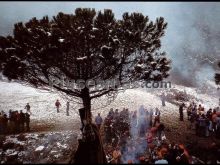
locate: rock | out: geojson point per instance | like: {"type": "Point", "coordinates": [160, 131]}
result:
{"type": "Point", "coordinates": [168, 130]}
{"type": "Point", "coordinates": [19, 147]}
{"type": "Point", "coordinates": [12, 157]}
{"type": "Point", "coordinates": [48, 149]}
{"type": "Point", "coordinates": [54, 153]}
{"type": "Point", "coordinates": [21, 154]}
{"type": "Point", "coordinates": [8, 145]}
{"type": "Point", "coordinates": [52, 138]}
{"type": "Point", "coordinates": [2, 139]}
{"type": "Point", "coordinates": [41, 135]}
{"type": "Point", "coordinates": [21, 137]}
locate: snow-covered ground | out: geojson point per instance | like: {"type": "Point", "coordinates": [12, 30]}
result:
{"type": "Point", "coordinates": [15, 96]}
{"type": "Point", "coordinates": [48, 147]}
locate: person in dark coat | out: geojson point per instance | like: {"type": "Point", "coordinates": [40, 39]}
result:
{"type": "Point", "coordinates": [67, 108]}
{"type": "Point", "coordinates": [181, 111]}
{"type": "Point", "coordinates": [5, 124]}
{"type": "Point", "coordinates": [22, 120]}
{"type": "Point", "coordinates": [182, 158]}
{"type": "Point", "coordinates": [90, 151]}
{"type": "Point", "coordinates": [17, 122]}
{"type": "Point", "coordinates": [27, 121]}
{"type": "Point", "coordinates": [28, 108]}
{"type": "Point", "coordinates": [163, 98]}
{"type": "Point", "coordinates": [12, 121]}
{"type": "Point", "coordinates": [160, 129]}
{"type": "Point", "coordinates": [1, 123]}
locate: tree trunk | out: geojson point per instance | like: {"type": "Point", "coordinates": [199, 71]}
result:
{"type": "Point", "coordinates": [86, 102]}
{"type": "Point", "coordinates": [89, 151]}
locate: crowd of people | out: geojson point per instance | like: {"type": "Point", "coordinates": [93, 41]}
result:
{"type": "Point", "coordinates": [138, 137]}
{"type": "Point", "coordinates": [15, 122]}
{"type": "Point", "coordinates": [205, 123]}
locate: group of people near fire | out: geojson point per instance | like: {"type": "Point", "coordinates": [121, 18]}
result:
{"type": "Point", "coordinates": [15, 121]}
{"type": "Point", "coordinates": [138, 136]}
{"type": "Point", "coordinates": [205, 122]}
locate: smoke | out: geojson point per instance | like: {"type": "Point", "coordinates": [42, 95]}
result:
{"type": "Point", "coordinates": [192, 39]}
{"type": "Point", "coordinates": [195, 49]}
{"type": "Point", "coordinates": [136, 145]}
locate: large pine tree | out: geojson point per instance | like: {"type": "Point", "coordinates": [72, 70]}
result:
{"type": "Point", "coordinates": [86, 45]}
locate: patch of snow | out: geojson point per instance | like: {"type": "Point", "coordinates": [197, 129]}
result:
{"type": "Point", "coordinates": [8, 49]}
{"type": "Point", "coordinates": [13, 154]}
{"type": "Point", "coordinates": [49, 34]}
{"type": "Point", "coordinates": [129, 31]}
{"type": "Point", "coordinates": [115, 40]}
{"type": "Point", "coordinates": [61, 40]}
{"type": "Point", "coordinates": [156, 73]}
{"type": "Point", "coordinates": [40, 148]}
{"type": "Point", "coordinates": [95, 29]}
{"type": "Point", "coordinates": [81, 58]}
{"type": "Point", "coordinates": [9, 151]}
{"type": "Point", "coordinates": [62, 146]}
{"type": "Point", "coordinates": [101, 56]}
{"type": "Point", "coordinates": [140, 65]}
{"type": "Point", "coordinates": [105, 47]}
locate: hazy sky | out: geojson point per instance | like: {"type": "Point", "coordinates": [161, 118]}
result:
{"type": "Point", "coordinates": [181, 18]}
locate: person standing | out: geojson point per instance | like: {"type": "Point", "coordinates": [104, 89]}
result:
{"type": "Point", "coordinates": [181, 111]}
{"type": "Point", "coordinates": [57, 104]}
{"type": "Point", "coordinates": [116, 156]}
{"type": "Point", "coordinates": [28, 108]}
{"type": "Point", "coordinates": [67, 108]}
{"type": "Point", "coordinates": [189, 111]}
{"type": "Point", "coordinates": [151, 117]}
{"type": "Point", "coordinates": [12, 121]}
{"type": "Point", "coordinates": [5, 124]}
{"type": "Point", "coordinates": [1, 123]}
{"type": "Point", "coordinates": [163, 99]}
{"type": "Point", "coordinates": [22, 120]}
{"type": "Point", "coordinates": [157, 117]}
{"type": "Point", "coordinates": [17, 122]}
{"type": "Point", "coordinates": [214, 120]}
{"type": "Point", "coordinates": [27, 121]}
{"type": "Point", "coordinates": [98, 121]}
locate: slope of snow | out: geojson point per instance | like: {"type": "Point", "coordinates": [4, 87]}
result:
{"type": "Point", "coordinates": [206, 99]}
{"type": "Point", "coordinates": [40, 148]}
{"type": "Point", "coordinates": [15, 96]}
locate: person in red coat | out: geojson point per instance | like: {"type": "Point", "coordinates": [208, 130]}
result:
{"type": "Point", "coordinates": [57, 104]}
